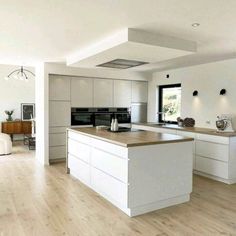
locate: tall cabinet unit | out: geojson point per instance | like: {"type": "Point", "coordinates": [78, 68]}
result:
{"type": "Point", "coordinates": [66, 92]}
{"type": "Point", "coordinates": [59, 115]}
{"type": "Point", "coordinates": [139, 91]}
{"type": "Point", "coordinates": [103, 93]}
{"type": "Point", "coordinates": [81, 92]}
{"type": "Point", "coordinates": [122, 93]}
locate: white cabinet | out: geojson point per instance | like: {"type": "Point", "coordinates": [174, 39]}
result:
{"type": "Point", "coordinates": [59, 88]}
{"type": "Point", "coordinates": [122, 93]}
{"type": "Point", "coordinates": [58, 139]}
{"type": "Point", "coordinates": [81, 92]}
{"type": "Point", "coordinates": [57, 143]}
{"type": "Point", "coordinates": [212, 167]}
{"type": "Point", "coordinates": [215, 151]}
{"type": "Point", "coordinates": [139, 91]}
{"type": "Point", "coordinates": [103, 93]}
{"type": "Point", "coordinates": [58, 152]}
{"type": "Point", "coordinates": [59, 113]}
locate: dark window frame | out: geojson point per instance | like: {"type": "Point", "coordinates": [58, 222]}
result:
{"type": "Point", "coordinates": [160, 97]}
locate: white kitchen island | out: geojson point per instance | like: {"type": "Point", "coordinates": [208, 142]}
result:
{"type": "Point", "coordinates": [138, 171]}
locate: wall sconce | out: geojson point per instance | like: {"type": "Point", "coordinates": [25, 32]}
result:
{"type": "Point", "coordinates": [195, 93]}
{"type": "Point", "coordinates": [222, 91]}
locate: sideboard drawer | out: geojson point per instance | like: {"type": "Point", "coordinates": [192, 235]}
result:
{"type": "Point", "coordinates": [212, 138]}
{"type": "Point", "coordinates": [80, 150]}
{"type": "Point", "coordinates": [213, 150]}
{"type": "Point", "coordinates": [110, 164]}
{"type": "Point", "coordinates": [212, 167]}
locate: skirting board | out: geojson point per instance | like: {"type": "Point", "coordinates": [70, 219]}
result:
{"type": "Point", "coordinates": [58, 160]}
{"type": "Point", "coordinates": [226, 181]}
{"type": "Point", "coordinates": [158, 205]}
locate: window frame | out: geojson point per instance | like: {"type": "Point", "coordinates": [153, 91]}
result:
{"type": "Point", "coordinates": [160, 99]}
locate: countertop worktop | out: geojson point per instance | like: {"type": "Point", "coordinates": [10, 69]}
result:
{"type": "Point", "coordinates": [131, 139]}
{"type": "Point", "coordinates": [190, 129]}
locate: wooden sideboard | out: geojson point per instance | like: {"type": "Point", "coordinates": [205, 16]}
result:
{"type": "Point", "coordinates": [16, 127]}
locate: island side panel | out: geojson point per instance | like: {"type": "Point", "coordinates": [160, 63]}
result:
{"type": "Point", "coordinates": [158, 173]}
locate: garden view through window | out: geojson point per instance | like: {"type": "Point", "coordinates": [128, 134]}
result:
{"type": "Point", "coordinates": [170, 102]}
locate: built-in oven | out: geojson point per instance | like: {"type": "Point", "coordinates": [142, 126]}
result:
{"type": "Point", "coordinates": [123, 115]}
{"type": "Point", "coordinates": [99, 116]}
{"type": "Point", "coordinates": [103, 116]}
{"type": "Point", "coordinates": [82, 116]}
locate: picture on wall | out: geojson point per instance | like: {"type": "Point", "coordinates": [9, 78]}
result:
{"type": "Point", "coordinates": [27, 111]}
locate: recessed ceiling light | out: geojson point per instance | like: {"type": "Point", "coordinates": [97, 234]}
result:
{"type": "Point", "coordinates": [195, 24]}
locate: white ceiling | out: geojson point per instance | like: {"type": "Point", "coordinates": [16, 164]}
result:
{"type": "Point", "coordinates": [131, 44]}
{"type": "Point", "coordinates": [53, 30]}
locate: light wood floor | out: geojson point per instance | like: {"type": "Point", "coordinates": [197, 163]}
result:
{"type": "Point", "coordinates": [37, 200]}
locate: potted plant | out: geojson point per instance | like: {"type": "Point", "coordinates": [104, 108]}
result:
{"type": "Point", "coordinates": [9, 113]}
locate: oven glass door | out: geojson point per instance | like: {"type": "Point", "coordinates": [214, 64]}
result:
{"type": "Point", "coordinates": [81, 119]}
{"type": "Point", "coordinates": [123, 118]}
{"type": "Point", "coordinates": [103, 119]}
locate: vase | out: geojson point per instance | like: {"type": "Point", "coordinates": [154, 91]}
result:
{"type": "Point", "coordinates": [9, 118]}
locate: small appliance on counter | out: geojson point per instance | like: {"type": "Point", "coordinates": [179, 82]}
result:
{"type": "Point", "coordinates": [224, 123]}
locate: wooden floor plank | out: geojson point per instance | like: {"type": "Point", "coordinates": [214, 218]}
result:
{"type": "Point", "coordinates": [38, 200]}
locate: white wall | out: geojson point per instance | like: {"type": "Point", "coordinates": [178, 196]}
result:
{"type": "Point", "coordinates": [14, 92]}
{"type": "Point", "coordinates": [41, 95]}
{"type": "Point", "coordinates": [208, 79]}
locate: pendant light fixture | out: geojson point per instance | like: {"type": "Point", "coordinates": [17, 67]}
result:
{"type": "Point", "coordinates": [20, 74]}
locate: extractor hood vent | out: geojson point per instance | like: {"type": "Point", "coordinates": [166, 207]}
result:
{"type": "Point", "coordinates": [122, 64]}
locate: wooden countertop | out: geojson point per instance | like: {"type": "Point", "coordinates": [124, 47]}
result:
{"type": "Point", "coordinates": [131, 139]}
{"type": "Point", "coordinates": [191, 129]}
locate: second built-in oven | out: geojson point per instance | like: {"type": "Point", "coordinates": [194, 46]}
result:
{"type": "Point", "coordinates": [103, 116]}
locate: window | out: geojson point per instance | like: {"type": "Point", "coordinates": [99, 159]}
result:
{"type": "Point", "coordinates": [170, 102]}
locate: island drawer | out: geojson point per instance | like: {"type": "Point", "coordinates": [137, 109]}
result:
{"type": "Point", "coordinates": [213, 150]}
{"type": "Point", "coordinates": [212, 167]}
{"type": "Point", "coordinates": [110, 164]}
{"type": "Point", "coordinates": [79, 169]}
{"type": "Point", "coordinates": [109, 187]}
{"type": "Point", "coordinates": [80, 150]}
{"type": "Point", "coordinates": [110, 148]}
{"type": "Point", "coordinates": [79, 137]}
